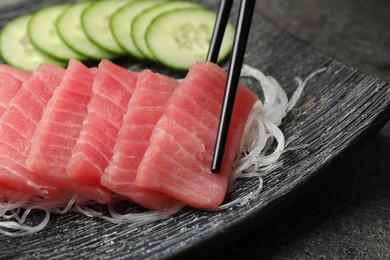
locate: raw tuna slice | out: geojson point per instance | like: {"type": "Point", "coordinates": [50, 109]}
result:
{"type": "Point", "coordinates": [9, 86]}
{"type": "Point", "coordinates": [59, 128]}
{"type": "Point", "coordinates": [112, 90]}
{"type": "Point", "coordinates": [144, 110]}
{"type": "Point", "coordinates": [15, 72]}
{"type": "Point", "coordinates": [178, 159]}
{"type": "Point", "coordinates": [17, 126]}
{"type": "Point", "coordinates": [10, 195]}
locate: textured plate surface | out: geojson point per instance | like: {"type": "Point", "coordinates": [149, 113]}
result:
{"type": "Point", "coordinates": [338, 109]}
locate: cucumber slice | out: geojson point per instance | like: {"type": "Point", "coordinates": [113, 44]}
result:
{"type": "Point", "coordinates": [43, 34]}
{"type": "Point", "coordinates": [141, 22]}
{"type": "Point", "coordinates": [121, 21]}
{"type": "Point", "coordinates": [16, 48]}
{"type": "Point", "coordinates": [95, 21]}
{"type": "Point", "coordinates": [69, 28]}
{"type": "Point", "coordinates": [178, 38]}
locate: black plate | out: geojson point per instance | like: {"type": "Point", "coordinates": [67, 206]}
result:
{"type": "Point", "coordinates": [338, 109]}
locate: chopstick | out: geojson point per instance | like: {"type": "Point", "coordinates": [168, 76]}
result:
{"type": "Point", "coordinates": [225, 6]}
{"type": "Point", "coordinates": [236, 60]}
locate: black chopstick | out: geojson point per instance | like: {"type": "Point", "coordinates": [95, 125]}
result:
{"type": "Point", "coordinates": [225, 7]}
{"type": "Point", "coordinates": [236, 61]}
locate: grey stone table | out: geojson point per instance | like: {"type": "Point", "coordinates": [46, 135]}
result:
{"type": "Point", "coordinates": [348, 216]}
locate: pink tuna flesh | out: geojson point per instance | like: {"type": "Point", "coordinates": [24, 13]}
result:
{"type": "Point", "coordinates": [112, 90]}
{"type": "Point", "coordinates": [17, 126]}
{"type": "Point", "coordinates": [15, 72]}
{"type": "Point", "coordinates": [59, 129]}
{"type": "Point", "coordinates": [178, 159]}
{"type": "Point", "coordinates": [145, 109]}
{"type": "Point", "coordinates": [9, 86]}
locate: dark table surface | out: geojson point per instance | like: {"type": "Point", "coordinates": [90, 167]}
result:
{"type": "Point", "coordinates": [348, 216]}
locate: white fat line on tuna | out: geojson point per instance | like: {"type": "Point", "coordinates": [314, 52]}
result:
{"type": "Point", "coordinates": [32, 184]}
{"type": "Point", "coordinates": [257, 157]}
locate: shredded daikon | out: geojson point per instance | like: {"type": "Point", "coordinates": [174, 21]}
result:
{"type": "Point", "coordinates": [262, 145]}
{"type": "Point", "coordinates": [263, 142]}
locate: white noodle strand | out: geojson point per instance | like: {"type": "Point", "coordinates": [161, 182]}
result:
{"type": "Point", "coordinates": [258, 153]}
{"type": "Point", "coordinates": [23, 230]}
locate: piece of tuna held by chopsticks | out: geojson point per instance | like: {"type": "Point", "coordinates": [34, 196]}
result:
{"type": "Point", "coordinates": [177, 161]}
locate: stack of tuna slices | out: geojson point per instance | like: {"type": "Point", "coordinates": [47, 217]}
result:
{"type": "Point", "coordinates": [107, 130]}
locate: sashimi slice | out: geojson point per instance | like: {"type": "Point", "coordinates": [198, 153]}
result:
{"type": "Point", "coordinates": [9, 86]}
{"type": "Point", "coordinates": [17, 73]}
{"type": "Point", "coordinates": [178, 159]}
{"type": "Point", "coordinates": [17, 126]}
{"type": "Point", "coordinates": [145, 109]}
{"type": "Point", "coordinates": [112, 90]}
{"type": "Point", "coordinates": [8, 194]}
{"type": "Point", "coordinates": [59, 129]}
